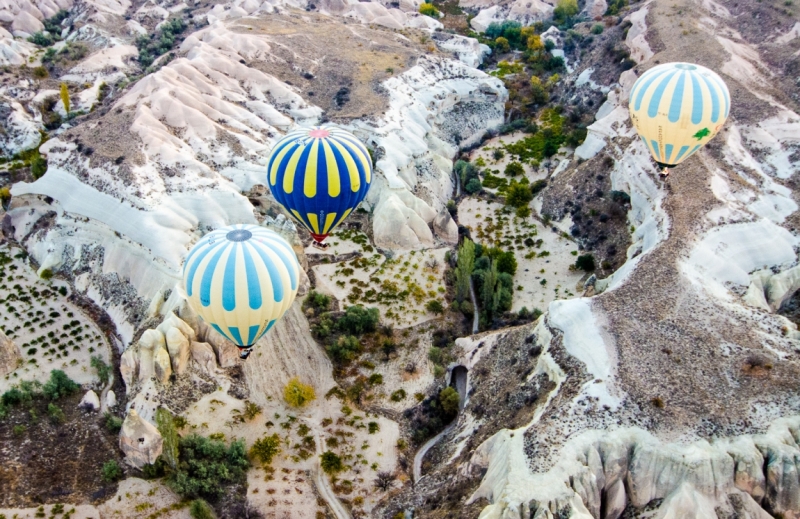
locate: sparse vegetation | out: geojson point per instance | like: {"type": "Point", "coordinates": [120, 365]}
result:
{"type": "Point", "coordinates": [428, 9]}
{"type": "Point", "coordinates": [103, 369]}
{"type": "Point", "coordinates": [298, 394]}
{"type": "Point", "coordinates": [266, 448]}
{"type": "Point", "coordinates": [199, 509]}
{"type": "Point", "coordinates": [111, 471]}
{"type": "Point", "coordinates": [331, 463]}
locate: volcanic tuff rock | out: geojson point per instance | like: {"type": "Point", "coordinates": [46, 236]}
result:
{"type": "Point", "coordinates": [9, 355]}
{"type": "Point", "coordinates": [139, 440]}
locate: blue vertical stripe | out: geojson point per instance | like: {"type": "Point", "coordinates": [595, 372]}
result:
{"type": "Point", "coordinates": [712, 90]}
{"type": "Point", "coordinates": [668, 152]}
{"type": "Point", "coordinates": [219, 330]}
{"type": "Point", "coordinates": [253, 286]}
{"type": "Point", "coordinates": [204, 250]}
{"type": "Point", "coordinates": [251, 334]}
{"type": "Point", "coordinates": [229, 280]}
{"type": "Point", "coordinates": [697, 101]}
{"type": "Point", "coordinates": [208, 276]}
{"type": "Point", "coordinates": [677, 99]}
{"type": "Point", "coordinates": [658, 93]}
{"type": "Point", "coordinates": [655, 149]}
{"type": "Point", "coordinates": [274, 275]}
{"type": "Point", "coordinates": [288, 260]}
{"type": "Point", "coordinates": [237, 337]}
{"type": "Point", "coordinates": [645, 85]}
{"type": "Point", "coordinates": [681, 152]}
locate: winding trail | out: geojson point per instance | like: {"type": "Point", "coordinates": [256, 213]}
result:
{"type": "Point", "coordinates": [426, 447]}
{"type": "Point", "coordinates": [322, 483]}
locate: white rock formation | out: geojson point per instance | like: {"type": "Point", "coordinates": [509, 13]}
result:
{"type": "Point", "coordinates": [90, 401]}
{"type": "Point", "coordinates": [150, 342]}
{"type": "Point", "coordinates": [178, 348]}
{"type": "Point", "coordinates": [524, 11]}
{"type": "Point", "coordinates": [10, 356]}
{"type": "Point", "coordinates": [111, 399]}
{"type": "Point", "coordinates": [129, 367]}
{"type": "Point", "coordinates": [203, 357]}
{"type": "Point", "coordinates": [14, 52]}
{"type": "Point", "coordinates": [162, 366]}
{"type": "Point", "coordinates": [20, 129]}
{"type": "Point", "coordinates": [445, 227]}
{"type": "Point", "coordinates": [139, 440]}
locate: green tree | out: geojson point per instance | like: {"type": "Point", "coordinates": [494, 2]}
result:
{"type": "Point", "coordinates": [518, 195]}
{"type": "Point", "coordinates": [111, 471]}
{"type": "Point", "coordinates": [103, 369]}
{"type": "Point", "coordinates": [585, 262]}
{"type": "Point", "coordinates": [565, 10]}
{"type": "Point", "coordinates": [507, 262]}
{"type": "Point", "coordinates": [56, 414]}
{"type": "Point", "coordinates": [473, 186]}
{"type": "Point", "coordinates": [38, 166]}
{"type": "Point", "coordinates": [488, 301]}
{"type": "Point", "coordinates": [434, 306]}
{"type": "Point", "coordinates": [59, 385]}
{"type": "Point", "coordinates": [464, 267]}
{"type": "Point", "coordinates": [5, 195]}
{"type": "Point", "coordinates": [513, 169]}
{"type": "Point", "coordinates": [65, 97]}
{"type": "Point", "coordinates": [207, 465]}
{"type": "Point", "coordinates": [539, 94]}
{"type": "Point", "coordinates": [266, 448]}
{"type": "Point", "coordinates": [358, 320]}
{"type": "Point", "coordinates": [298, 394]}
{"type": "Point", "coordinates": [331, 463]}
{"type": "Point", "coordinates": [199, 509]}
{"type": "Point", "coordinates": [449, 399]}
{"type": "Point", "coordinates": [344, 349]}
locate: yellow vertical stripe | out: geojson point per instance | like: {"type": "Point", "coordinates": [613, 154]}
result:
{"type": "Point", "coordinates": [299, 218]}
{"type": "Point", "coordinates": [273, 174]}
{"type": "Point", "coordinates": [334, 185]}
{"type": "Point", "coordinates": [364, 159]}
{"type": "Point", "coordinates": [291, 169]}
{"type": "Point", "coordinates": [312, 219]}
{"type": "Point", "coordinates": [310, 179]}
{"type": "Point", "coordinates": [329, 219]}
{"type": "Point", "coordinates": [352, 169]}
{"type": "Point", "coordinates": [345, 215]}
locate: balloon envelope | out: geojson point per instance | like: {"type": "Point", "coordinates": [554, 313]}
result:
{"type": "Point", "coordinates": [676, 108]}
{"type": "Point", "coordinates": [319, 175]}
{"type": "Point", "coordinates": [240, 280]}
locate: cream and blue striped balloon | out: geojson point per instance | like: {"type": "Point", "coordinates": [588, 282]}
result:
{"type": "Point", "coordinates": [319, 175]}
{"type": "Point", "coordinates": [677, 108]}
{"type": "Point", "coordinates": [241, 279]}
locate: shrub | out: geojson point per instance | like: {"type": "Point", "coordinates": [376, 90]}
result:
{"type": "Point", "coordinates": [56, 414]}
{"type": "Point", "coordinates": [12, 397]}
{"type": "Point", "coordinates": [206, 465]}
{"type": "Point", "coordinates": [449, 400]}
{"type": "Point", "coordinates": [585, 262]}
{"type": "Point", "coordinates": [199, 509]}
{"type": "Point", "coordinates": [331, 463]}
{"type": "Point", "coordinates": [19, 430]}
{"type": "Point", "coordinates": [298, 394]}
{"type": "Point", "coordinates": [103, 369]}
{"type": "Point", "coordinates": [373, 427]}
{"type": "Point", "coordinates": [40, 72]}
{"type": "Point", "coordinates": [41, 39]}
{"type": "Point", "coordinates": [434, 306]}
{"type": "Point", "coordinates": [507, 262]}
{"type": "Point", "coordinates": [564, 12]}
{"type": "Point", "coordinates": [39, 165]}
{"type": "Point", "coordinates": [614, 7]}
{"type": "Point", "coordinates": [59, 385]}
{"type": "Point", "coordinates": [358, 320]}
{"type": "Point", "coordinates": [501, 44]}
{"type": "Point", "coordinates": [429, 10]}
{"type": "Point", "coordinates": [375, 379]}
{"type": "Point", "coordinates": [113, 423]}
{"type": "Point", "coordinates": [251, 410]}
{"type": "Point", "coordinates": [518, 195]}
{"type": "Point", "coordinates": [398, 396]}
{"type": "Point", "coordinates": [597, 28]}
{"type": "Point", "coordinates": [266, 448]}
{"type": "Point", "coordinates": [620, 197]}
{"type": "Point", "coordinates": [166, 426]}
{"type": "Point", "coordinates": [344, 349]}
{"type": "Point", "coordinates": [5, 195]}
{"type": "Point", "coordinates": [435, 355]}
{"type": "Point", "coordinates": [318, 301]}
{"type": "Point", "coordinates": [111, 471]}
{"type": "Point", "coordinates": [513, 169]}
{"type": "Point", "coordinates": [473, 186]}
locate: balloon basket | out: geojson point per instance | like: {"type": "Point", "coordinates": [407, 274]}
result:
{"type": "Point", "coordinates": [320, 246]}
{"type": "Point", "coordinates": [245, 352]}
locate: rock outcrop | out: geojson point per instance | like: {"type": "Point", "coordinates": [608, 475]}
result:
{"type": "Point", "coordinates": [203, 357]}
{"type": "Point", "coordinates": [162, 366]}
{"type": "Point", "coordinates": [10, 356]}
{"type": "Point", "coordinates": [139, 440]}
{"type": "Point", "coordinates": [90, 401]}
{"type": "Point", "coordinates": [178, 348]}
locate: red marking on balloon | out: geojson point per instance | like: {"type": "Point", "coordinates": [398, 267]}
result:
{"type": "Point", "coordinates": [319, 133]}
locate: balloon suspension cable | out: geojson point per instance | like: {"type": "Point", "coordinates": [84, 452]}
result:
{"type": "Point", "coordinates": [245, 351]}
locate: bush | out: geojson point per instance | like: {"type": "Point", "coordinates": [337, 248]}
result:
{"type": "Point", "coordinates": [41, 39]}
{"type": "Point", "coordinates": [398, 396]}
{"type": "Point", "coordinates": [298, 394]}
{"type": "Point", "coordinates": [620, 197]}
{"type": "Point", "coordinates": [358, 320]}
{"type": "Point", "coordinates": [614, 7]}
{"type": "Point", "coordinates": [585, 262]}
{"type": "Point", "coordinates": [113, 423]}
{"type": "Point", "coordinates": [103, 369]}
{"type": "Point", "coordinates": [166, 426]}
{"type": "Point", "coordinates": [5, 195]}
{"type": "Point", "coordinates": [435, 355]}
{"type": "Point", "coordinates": [434, 306]}
{"type": "Point", "coordinates": [513, 169]}
{"type": "Point", "coordinates": [449, 400]}
{"type": "Point", "coordinates": [59, 385]}
{"type": "Point", "coordinates": [330, 462]}
{"type": "Point", "coordinates": [251, 410]}
{"type": "Point", "coordinates": [518, 195]}
{"type": "Point", "coordinates": [501, 44]}
{"type": "Point", "coordinates": [564, 12]}
{"type": "Point", "coordinates": [56, 414]}
{"type": "Point", "coordinates": [266, 448]}
{"type": "Point", "coordinates": [40, 73]}
{"type": "Point", "coordinates": [507, 262]}
{"type": "Point", "coordinates": [597, 28]}
{"type": "Point", "coordinates": [39, 165]}
{"type": "Point", "coordinates": [538, 186]}
{"type": "Point", "coordinates": [318, 301]}
{"type": "Point", "coordinates": [429, 10]}
{"type": "Point", "coordinates": [199, 509]}
{"type": "Point", "coordinates": [473, 186]}
{"type": "Point", "coordinates": [206, 465]}
{"type": "Point", "coordinates": [373, 427]}
{"type": "Point", "coordinates": [111, 471]}
{"type": "Point", "coordinates": [344, 349]}
{"type": "Point", "coordinates": [12, 397]}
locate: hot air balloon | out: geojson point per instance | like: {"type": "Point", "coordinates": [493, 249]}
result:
{"type": "Point", "coordinates": [240, 280]}
{"type": "Point", "coordinates": [319, 175]}
{"type": "Point", "coordinates": [676, 108]}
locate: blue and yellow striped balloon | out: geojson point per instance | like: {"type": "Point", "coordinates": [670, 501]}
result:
{"type": "Point", "coordinates": [240, 280]}
{"type": "Point", "coordinates": [676, 108]}
{"type": "Point", "coordinates": [319, 175]}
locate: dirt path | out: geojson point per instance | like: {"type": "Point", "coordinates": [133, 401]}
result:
{"type": "Point", "coordinates": [426, 447]}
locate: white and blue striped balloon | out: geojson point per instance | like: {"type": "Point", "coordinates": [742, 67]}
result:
{"type": "Point", "coordinates": [241, 279]}
{"type": "Point", "coordinates": [677, 108]}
